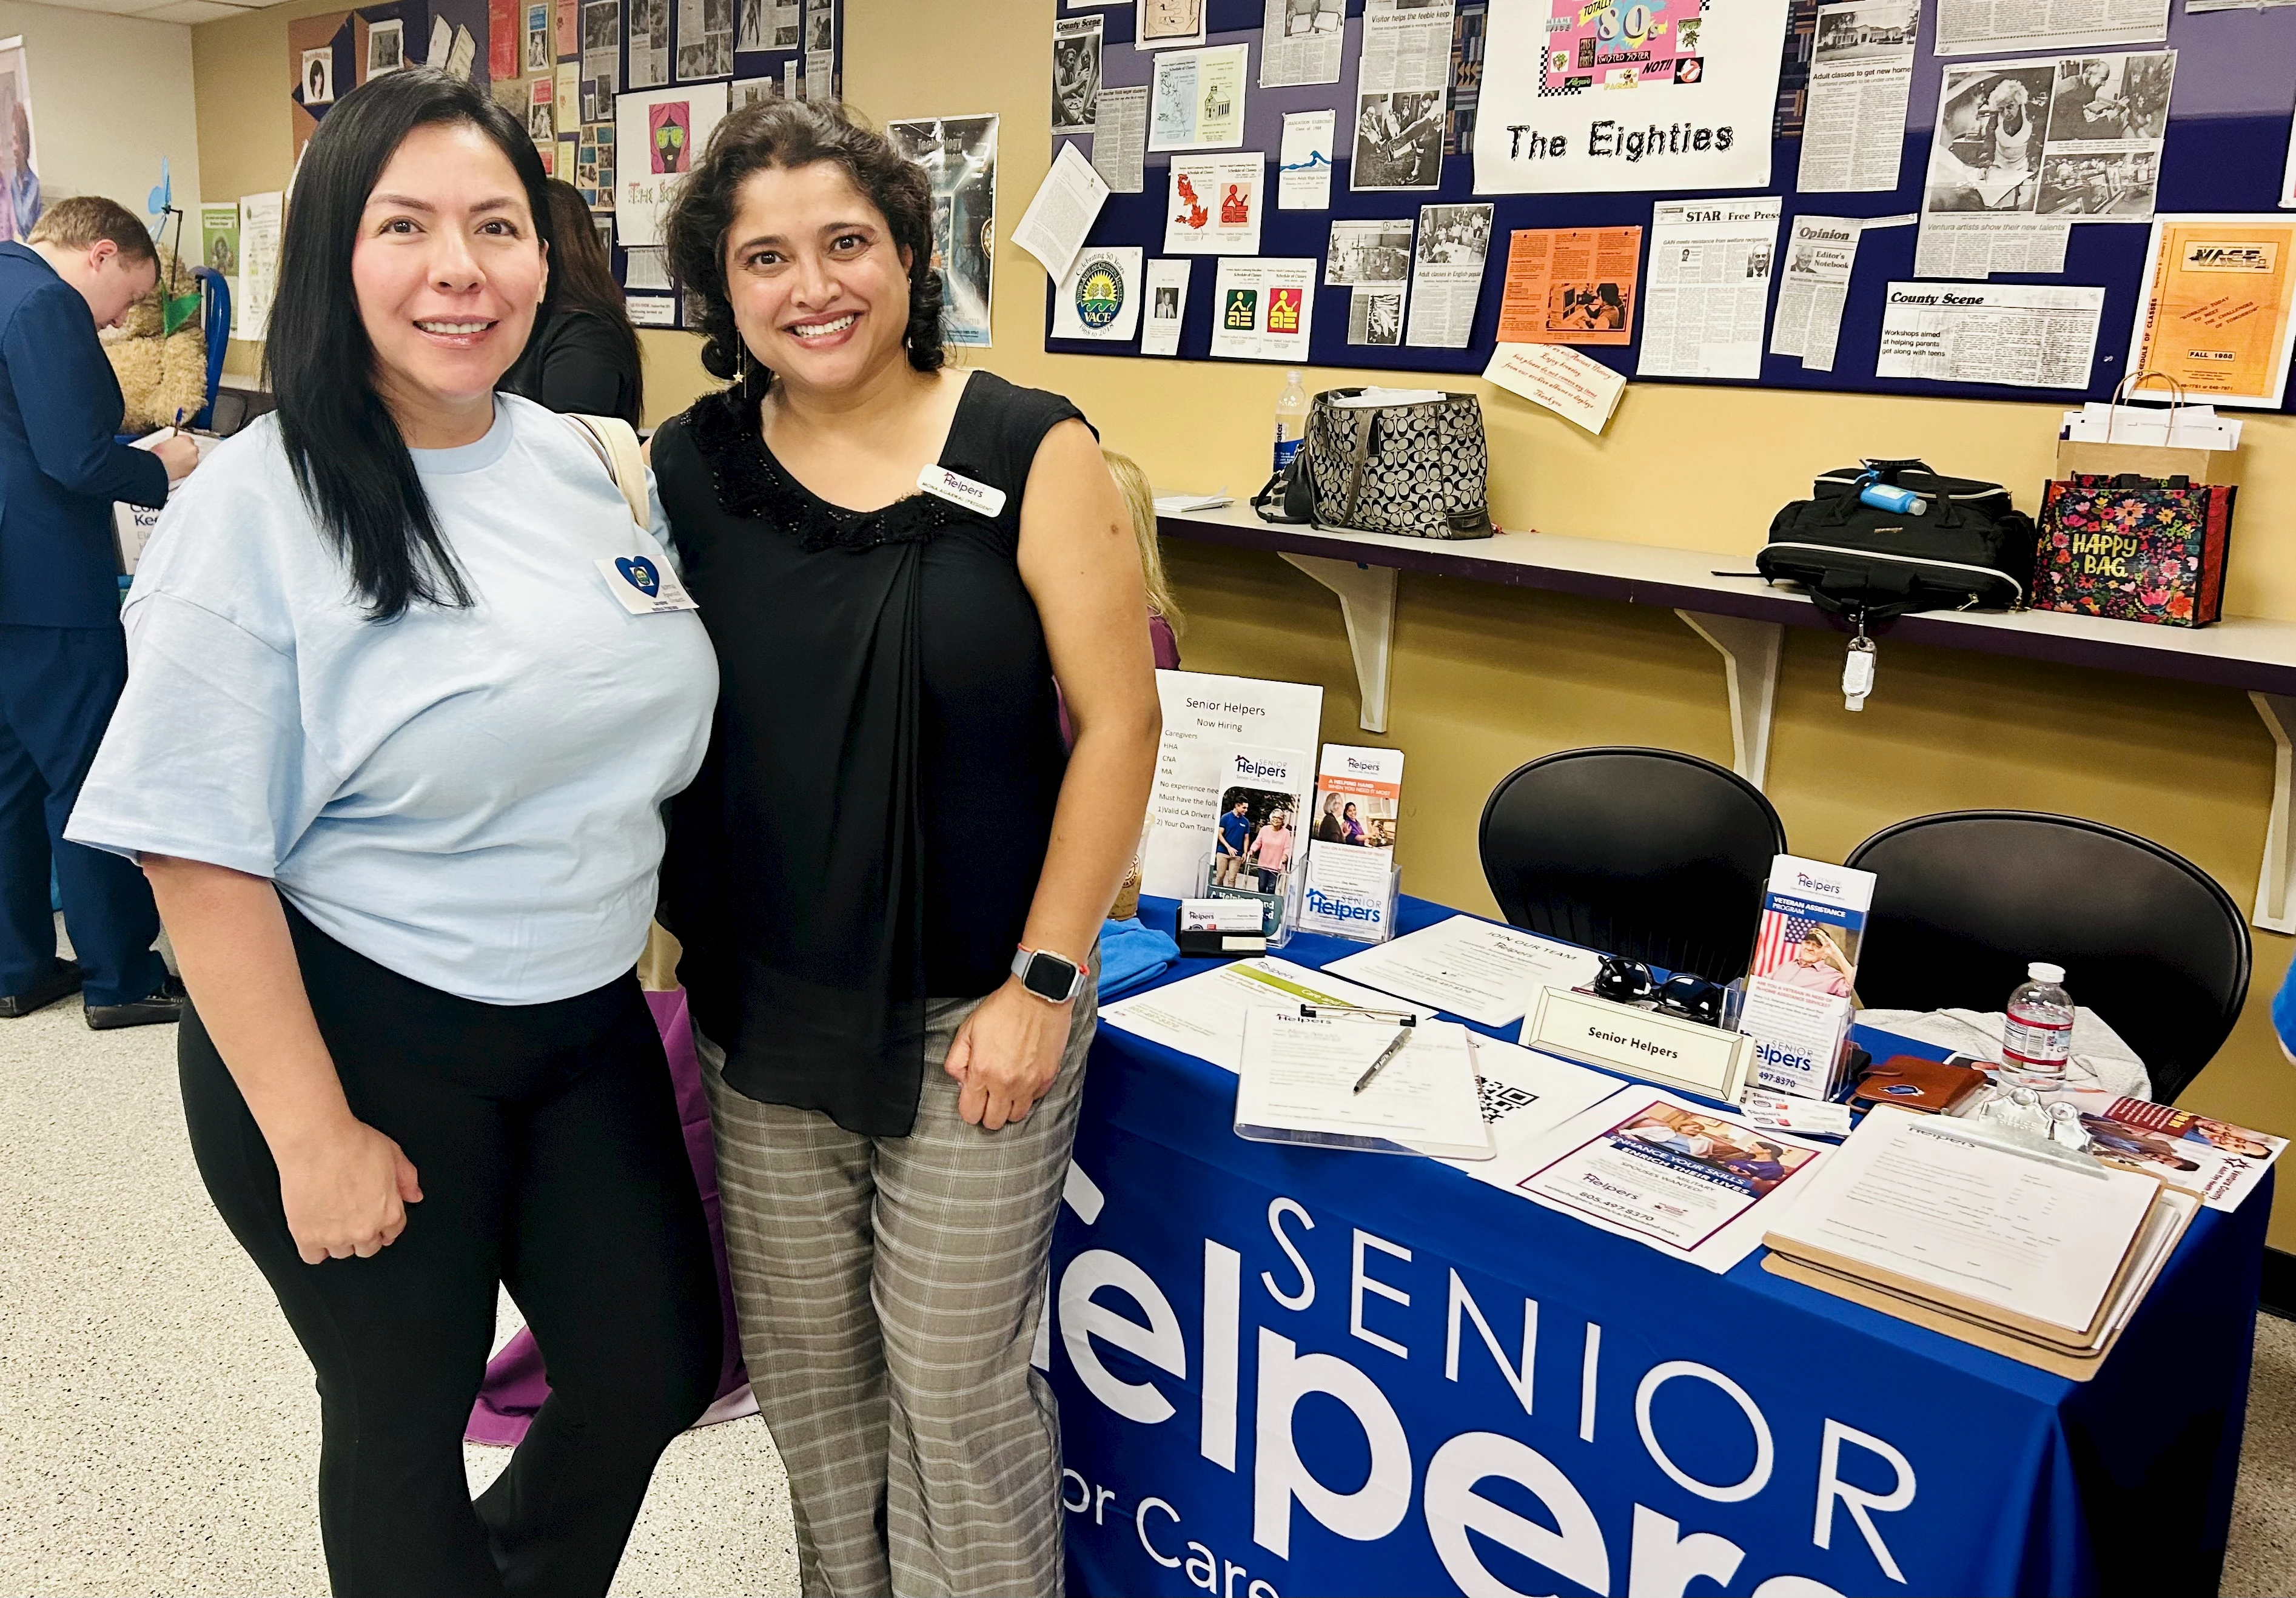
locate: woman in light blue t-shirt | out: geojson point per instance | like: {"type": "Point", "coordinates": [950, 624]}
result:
{"type": "Point", "coordinates": [404, 702]}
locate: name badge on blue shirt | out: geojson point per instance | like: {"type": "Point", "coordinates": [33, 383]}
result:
{"type": "Point", "coordinates": [644, 585]}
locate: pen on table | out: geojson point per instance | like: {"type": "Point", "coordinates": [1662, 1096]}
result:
{"type": "Point", "coordinates": [1394, 1047]}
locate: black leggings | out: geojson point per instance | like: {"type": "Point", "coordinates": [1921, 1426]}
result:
{"type": "Point", "coordinates": [548, 1142]}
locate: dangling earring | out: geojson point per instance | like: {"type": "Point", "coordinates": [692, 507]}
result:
{"type": "Point", "coordinates": [743, 370]}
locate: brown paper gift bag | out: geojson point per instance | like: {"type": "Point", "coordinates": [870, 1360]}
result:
{"type": "Point", "coordinates": [2088, 457]}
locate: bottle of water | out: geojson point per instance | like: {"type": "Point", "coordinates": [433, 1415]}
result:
{"type": "Point", "coordinates": [2040, 1037]}
{"type": "Point", "coordinates": [1291, 420]}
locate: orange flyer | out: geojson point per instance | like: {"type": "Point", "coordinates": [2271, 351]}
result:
{"type": "Point", "coordinates": [2216, 315]}
{"type": "Point", "coordinates": [1571, 286]}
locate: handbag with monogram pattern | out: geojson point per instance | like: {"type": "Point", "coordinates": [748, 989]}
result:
{"type": "Point", "coordinates": [1416, 467]}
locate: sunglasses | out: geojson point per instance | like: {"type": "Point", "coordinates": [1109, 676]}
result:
{"type": "Point", "coordinates": [1684, 994]}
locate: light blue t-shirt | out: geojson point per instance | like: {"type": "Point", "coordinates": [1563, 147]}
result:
{"type": "Point", "coordinates": [470, 798]}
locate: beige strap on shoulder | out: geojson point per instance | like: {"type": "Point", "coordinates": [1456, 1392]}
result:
{"type": "Point", "coordinates": [616, 445]}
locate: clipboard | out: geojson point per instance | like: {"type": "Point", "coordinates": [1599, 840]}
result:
{"type": "Point", "coordinates": [2156, 1240]}
{"type": "Point", "coordinates": [1332, 1134]}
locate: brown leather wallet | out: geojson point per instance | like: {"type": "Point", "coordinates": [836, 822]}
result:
{"type": "Point", "coordinates": [1926, 1086]}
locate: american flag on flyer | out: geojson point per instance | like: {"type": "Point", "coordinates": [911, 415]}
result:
{"type": "Point", "coordinates": [1781, 930]}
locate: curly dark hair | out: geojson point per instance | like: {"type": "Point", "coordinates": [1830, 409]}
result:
{"type": "Point", "coordinates": [790, 134]}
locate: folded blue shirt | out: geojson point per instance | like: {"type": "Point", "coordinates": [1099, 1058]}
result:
{"type": "Point", "coordinates": [1132, 956]}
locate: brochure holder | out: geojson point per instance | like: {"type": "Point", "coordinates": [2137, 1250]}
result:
{"type": "Point", "coordinates": [1377, 928]}
{"type": "Point", "coordinates": [1279, 908]}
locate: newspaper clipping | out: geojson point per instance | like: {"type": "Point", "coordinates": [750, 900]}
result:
{"type": "Point", "coordinates": [1076, 73]}
{"type": "Point", "coordinates": [1399, 94]}
{"type": "Point", "coordinates": [1375, 316]}
{"type": "Point", "coordinates": [1821, 253]}
{"type": "Point", "coordinates": [602, 58]}
{"type": "Point", "coordinates": [1369, 252]}
{"type": "Point", "coordinates": [1990, 26]}
{"type": "Point", "coordinates": [1570, 286]}
{"type": "Point", "coordinates": [1299, 42]}
{"type": "Point", "coordinates": [820, 50]}
{"type": "Point", "coordinates": [1119, 142]}
{"type": "Point", "coordinates": [2025, 335]}
{"type": "Point", "coordinates": [649, 44]}
{"type": "Point", "coordinates": [1710, 287]}
{"type": "Point", "coordinates": [2042, 141]}
{"type": "Point", "coordinates": [1447, 278]}
{"type": "Point", "coordinates": [769, 25]}
{"type": "Point", "coordinates": [705, 39]}
{"type": "Point", "coordinates": [1854, 130]}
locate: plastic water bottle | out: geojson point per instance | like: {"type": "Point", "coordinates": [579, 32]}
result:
{"type": "Point", "coordinates": [1291, 420]}
{"type": "Point", "coordinates": [2040, 1037]}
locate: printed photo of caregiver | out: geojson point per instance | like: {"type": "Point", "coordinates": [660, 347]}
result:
{"type": "Point", "coordinates": [889, 877]}
{"type": "Point", "coordinates": [392, 756]}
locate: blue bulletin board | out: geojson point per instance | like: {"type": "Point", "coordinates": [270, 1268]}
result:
{"type": "Point", "coordinates": [2225, 144]}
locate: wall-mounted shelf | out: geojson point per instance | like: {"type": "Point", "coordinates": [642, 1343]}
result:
{"type": "Point", "coordinates": [1745, 619]}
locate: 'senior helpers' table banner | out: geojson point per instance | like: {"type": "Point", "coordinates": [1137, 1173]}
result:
{"type": "Point", "coordinates": [1298, 1371]}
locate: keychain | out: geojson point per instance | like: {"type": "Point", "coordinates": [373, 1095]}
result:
{"type": "Point", "coordinates": [1857, 670]}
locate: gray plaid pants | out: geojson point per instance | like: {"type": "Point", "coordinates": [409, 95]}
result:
{"type": "Point", "coordinates": [889, 1290]}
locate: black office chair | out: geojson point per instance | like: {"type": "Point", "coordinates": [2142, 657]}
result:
{"type": "Point", "coordinates": [1644, 852]}
{"type": "Point", "coordinates": [2148, 940]}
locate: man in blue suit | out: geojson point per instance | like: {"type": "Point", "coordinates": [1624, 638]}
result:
{"type": "Point", "coordinates": [63, 658]}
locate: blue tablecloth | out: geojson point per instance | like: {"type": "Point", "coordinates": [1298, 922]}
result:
{"type": "Point", "coordinates": [1295, 1371]}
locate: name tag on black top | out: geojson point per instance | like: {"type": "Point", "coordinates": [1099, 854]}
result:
{"type": "Point", "coordinates": [942, 483]}
{"type": "Point", "coordinates": [644, 585]}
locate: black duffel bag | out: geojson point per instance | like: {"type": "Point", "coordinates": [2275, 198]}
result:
{"type": "Point", "coordinates": [1969, 548]}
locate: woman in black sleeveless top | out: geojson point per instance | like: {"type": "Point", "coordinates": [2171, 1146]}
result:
{"type": "Point", "coordinates": [889, 876]}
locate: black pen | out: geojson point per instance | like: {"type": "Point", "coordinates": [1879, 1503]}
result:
{"type": "Point", "coordinates": [1394, 1047]}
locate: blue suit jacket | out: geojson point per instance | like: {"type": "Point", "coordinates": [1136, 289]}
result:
{"type": "Point", "coordinates": [61, 467]}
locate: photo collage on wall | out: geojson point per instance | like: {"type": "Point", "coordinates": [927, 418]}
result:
{"type": "Point", "coordinates": [620, 97]}
{"type": "Point", "coordinates": [1561, 195]}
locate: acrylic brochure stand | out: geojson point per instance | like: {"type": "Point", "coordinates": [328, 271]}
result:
{"type": "Point", "coordinates": [1344, 922]}
{"type": "Point", "coordinates": [1280, 910]}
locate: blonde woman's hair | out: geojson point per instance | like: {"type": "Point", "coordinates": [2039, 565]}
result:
{"type": "Point", "coordinates": [1139, 500]}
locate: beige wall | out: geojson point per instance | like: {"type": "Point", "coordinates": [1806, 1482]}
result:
{"type": "Point", "coordinates": [110, 96]}
{"type": "Point", "coordinates": [1484, 678]}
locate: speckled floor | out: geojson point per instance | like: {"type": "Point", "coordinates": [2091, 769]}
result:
{"type": "Point", "coordinates": [158, 1430]}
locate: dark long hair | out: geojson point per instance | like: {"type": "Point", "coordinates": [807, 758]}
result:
{"type": "Point", "coordinates": [790, 134]}
{"type": "Point", "coordinates": [584, 278]}
{"type": "Point", "coordinates": [347, 457]}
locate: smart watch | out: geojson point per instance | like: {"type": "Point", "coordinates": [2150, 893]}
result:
{"type": "Point", "coordinates": [1052, 978]}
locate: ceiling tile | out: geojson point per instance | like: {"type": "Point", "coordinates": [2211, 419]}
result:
{"type": "Point", "coordinates": [192, 11]}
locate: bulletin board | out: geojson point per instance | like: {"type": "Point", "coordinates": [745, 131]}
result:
{"type": "Point", "coordinates": [560, 65]}
{"type": "Point", "coordinates": [2227, 140]}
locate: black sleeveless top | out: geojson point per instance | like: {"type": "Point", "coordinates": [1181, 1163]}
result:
{"type": "Point", "coordinates": [873, 816]}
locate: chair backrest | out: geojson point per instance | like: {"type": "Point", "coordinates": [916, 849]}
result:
{"type": "Point", "coordinates": [1642, 852]}
{"type": "Point", "coordinates": [215, 327]}
{"type": "Point", "coordinates": [2148, 940]}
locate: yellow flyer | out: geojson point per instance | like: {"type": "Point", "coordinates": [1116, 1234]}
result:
{"type": "Point", "coordinates": [2216, 315]}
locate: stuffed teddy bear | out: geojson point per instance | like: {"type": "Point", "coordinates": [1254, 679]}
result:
{"type": "Point", "coordinates": [161, 373]}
